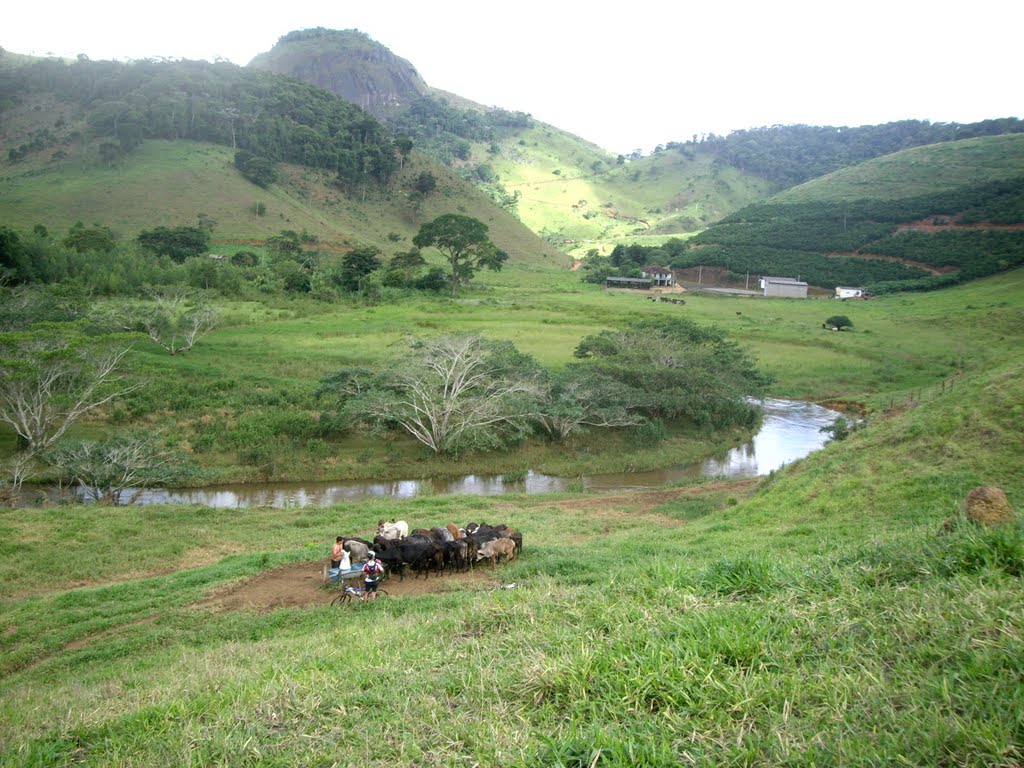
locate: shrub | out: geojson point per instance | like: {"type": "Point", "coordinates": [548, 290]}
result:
{"type": "Point", "coordinates": [838, 322]}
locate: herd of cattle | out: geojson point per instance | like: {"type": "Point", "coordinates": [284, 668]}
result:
{"type": "Point", "coordinates": [436, 550]}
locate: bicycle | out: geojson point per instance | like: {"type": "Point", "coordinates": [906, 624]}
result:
{"type": "Point", "coordinates": [352, 594]}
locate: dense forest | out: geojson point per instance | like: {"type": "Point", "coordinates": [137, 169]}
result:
{"type": "Point", "coordinates": [792, 154]}
{"type": "Point", "coordinates": [268, 116]}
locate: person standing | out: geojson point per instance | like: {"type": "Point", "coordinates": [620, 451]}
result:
{"type": "Point", "coordinates": [337, 551]}
{"type": "Point", "coordinates": [372, 572]}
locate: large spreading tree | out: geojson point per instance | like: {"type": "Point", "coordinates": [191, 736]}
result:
{"type": "Point", "coordinates": [686, 370]}
{"type": "Point", "coordinates": [464, 242]}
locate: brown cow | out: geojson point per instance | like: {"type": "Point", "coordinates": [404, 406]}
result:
{"type": "Point", "coordinates": [492, 550]}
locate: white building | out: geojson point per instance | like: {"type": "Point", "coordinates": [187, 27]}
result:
{"type": "Point", "coordinates": [846, 292]}
{"type": "Point", "coordinates": [784, 287]}
{"type": "Point", "coordinates": [659, 275]}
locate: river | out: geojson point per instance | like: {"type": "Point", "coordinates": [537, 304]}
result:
{"type": "Point", "coordinates": [790, 430]}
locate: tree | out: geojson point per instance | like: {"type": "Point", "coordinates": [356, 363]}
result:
{"type": "Point", "coordinates": [451, 393]}
{"type": "Point", "coordinates": [173, 320]}
{"type": "Point", "coordinates": [107, 468]}
{"type": "Point", "coordinates": [686, 370]}
{"type": "Point", "coordinates": [84, 239]}
{"type": "Point", "coordinates": [51, 376]}
{"type": "Point", "coordinates": [577, 398]}
{"type": "Point", "coordinates": [286, 245]}
{"type": "Point", "coordinates": [426, 183]}
{"type": "Point", "coordinates": [404, 146]}
{"type": "Point", "coordinates": [259, 170]}
{"type": "Point", "coordinates": [177, 243]}
{"type": "Point", "coordinates": [408, 262]}
{"type": "Point", "coordinates": [838, 322]}
{"type": "Point", "coordinates": [463, 241]}
{"type": "Point", "coordinates": [357, 264]}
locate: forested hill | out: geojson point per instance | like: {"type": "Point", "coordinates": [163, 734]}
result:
{"type": "Point", "coordinates": [792, 154]}
{"type": "Point", "coordinates": [270, 117]}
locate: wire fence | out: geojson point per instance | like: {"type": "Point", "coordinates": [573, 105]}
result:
{"type": "Point", "coordinates": [920, 395]}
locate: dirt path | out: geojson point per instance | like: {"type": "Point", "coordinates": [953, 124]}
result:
{"type": "Point", "coordinates": [302, 584]}
{"type": "Point", "coordinates": [929, 268]}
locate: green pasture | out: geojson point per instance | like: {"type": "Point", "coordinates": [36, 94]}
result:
{"type": "Point", "coordinates": [823, 615]}
{"type": "Point", "coordinates": [250, 383]}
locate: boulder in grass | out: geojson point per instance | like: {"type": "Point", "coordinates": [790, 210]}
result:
{"type": "Point", "coordinates": [987, 505]}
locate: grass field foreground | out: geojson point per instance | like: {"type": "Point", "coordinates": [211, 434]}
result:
{"type": "Point", "coordinates": [824, 615]}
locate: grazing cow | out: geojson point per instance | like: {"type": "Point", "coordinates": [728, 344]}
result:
{"type": "Point", "coordinates": [496, 548]}
{"type": "Point", "coordinates": [455, 531]}
{"type": "Point", "coordinates": [517, 539]}
{"type": "Point", "coordinates": [391, 529]}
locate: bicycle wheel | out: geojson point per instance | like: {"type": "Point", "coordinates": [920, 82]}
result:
{"type": "Point", "coordinates": [343, 599]}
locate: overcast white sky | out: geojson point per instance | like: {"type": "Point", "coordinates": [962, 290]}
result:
{"type": "Point", "coordinates": [627, 75]}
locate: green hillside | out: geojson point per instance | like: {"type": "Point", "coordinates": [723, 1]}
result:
{"type": "Point", "coordinates": [578, 196]}
{"type": "Point", "coordinates": [172, 183]}
{"type": "Point", "coordinates": [916, 172]}
{"type": "Point", "coordinates": [62, 165]}
{"type": "Point", "coordinates": [918, 219]}
{"type": "Point", "coordinates": [570, 192]}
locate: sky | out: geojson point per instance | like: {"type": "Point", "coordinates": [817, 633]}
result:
{"type": "Point", "coordinates": [625, 76]}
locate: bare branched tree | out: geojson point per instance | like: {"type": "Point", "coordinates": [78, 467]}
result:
{"type": "Point", "coordinates": [173, 320]}
{"type": "Point", "coordinates": [106, 469]}
{"type": "Point", "coordinates": [452, 391]}
{"type": "Point", "coordinates": [49, 379]}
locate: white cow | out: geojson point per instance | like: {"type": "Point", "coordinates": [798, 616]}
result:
{"type": "Point", "coordinates": [392, 529]}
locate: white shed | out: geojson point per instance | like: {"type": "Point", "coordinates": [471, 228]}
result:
{"type": "Point", "coordinates": [846, 292]}
{"type": "Point", "coordinates": [784, 287]}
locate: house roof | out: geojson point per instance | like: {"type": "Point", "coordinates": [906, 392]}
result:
{"type": "Point", "coordinates": [790, 280]}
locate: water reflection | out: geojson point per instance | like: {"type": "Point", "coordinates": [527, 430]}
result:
{"type": "Point", "coordinates": [790, 431]}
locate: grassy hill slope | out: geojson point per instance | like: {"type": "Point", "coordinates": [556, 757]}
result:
{"type": "Point", "coordinates": [578, 196]}
{"type": "Point", "coordinates": [823, 615]}
{"type": "Point", "coordinates": [915, 172]}
{"type": "Point", "coordinates": [918, 219]}
{"type": "Point", "coordinates": [171, 183]}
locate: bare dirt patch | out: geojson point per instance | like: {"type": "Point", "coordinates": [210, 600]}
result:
{"type": "Point", "coordinates": [301, 584]}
